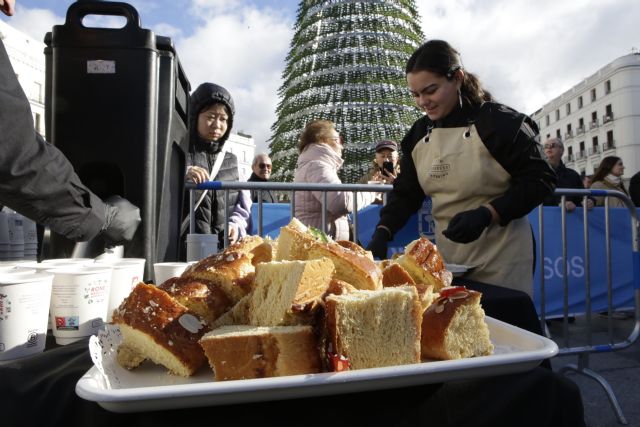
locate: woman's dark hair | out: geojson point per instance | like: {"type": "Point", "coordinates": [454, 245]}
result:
{"type": "Point", "coordinates": [605, 168]}
{"type": "Point", "coordinates": [437, 56]}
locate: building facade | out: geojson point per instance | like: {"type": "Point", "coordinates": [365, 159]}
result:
{"type": "Point", "coordinates": [244, 147]}
{"type": "Point", "coordinates": [598, 117]}
{"type": "Point", "coordinates": [27, 58]}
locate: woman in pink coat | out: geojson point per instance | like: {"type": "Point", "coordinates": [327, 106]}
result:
{"type": "Point", "coordinates": [320, 158]}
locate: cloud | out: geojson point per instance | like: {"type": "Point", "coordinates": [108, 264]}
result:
{"type": "Point", "coordinates": [35, 22]}
{"type": "Point", "coordinates": [528, 53]}
{"type": "Point", "coordinates": [244, 50]}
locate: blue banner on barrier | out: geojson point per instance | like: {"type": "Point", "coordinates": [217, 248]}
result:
{"type": "Point", "coordinates": [622, 261]}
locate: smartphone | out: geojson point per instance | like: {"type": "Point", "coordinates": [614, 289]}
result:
{"type": "Point", "coordinates": [388, 167]}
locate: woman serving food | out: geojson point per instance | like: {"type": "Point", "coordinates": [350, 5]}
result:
{"type": "Point", "coordinates": [480, 162]}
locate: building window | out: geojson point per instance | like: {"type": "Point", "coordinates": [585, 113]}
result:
{"type": "Point", "coordinates": [580, 102]}
{"type": "Point", "coordinates": [568, 107]}
{"type": "Point", "coordinates": [580, 130]}
{"type": "Point", "coordinates": [593, 94]}
{"type": "Point", "coordinates": [546, 120]}
{"type": "Point", "coordinates": [608, 114]}
{"type": "Point", "coordinates": [548, 136]}
{"type": "Point", "coordinates": [569, 132]}
{"type": "Point", "coordinates": [558, 133]}
{"type": "Point", "coordinates": [594, 120]}
{"type": "Point", "coordinates": [581, 154]}
{"type": "Point", "coordinates": [607, 86]}
{"type": "Point", "coordinates": [570, 151]}
{"type": "Point", "coordinates": [594, 146]}
{"type": "Point", "coordinates": [557, 114]}
{"type": "Point", "coordinates": [38, 122]}
{"type": "Point", "coordinates": [610, 141]}
{"type": "Point", "coordinates": [37, 92]}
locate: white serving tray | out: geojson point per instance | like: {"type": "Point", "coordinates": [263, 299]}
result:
{"type": "Point", "coordinates": [150, 388]}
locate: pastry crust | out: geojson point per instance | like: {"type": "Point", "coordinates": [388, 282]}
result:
{"type": "Point", "coordinates": [157, 327]}
{"type": "Point", "coordinates": [454, 326]}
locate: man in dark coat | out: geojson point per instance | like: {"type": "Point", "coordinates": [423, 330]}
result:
{"type": "Point", "coordinates": [261, 168]}
{"type": "Point", "coordinates": [567, 178]}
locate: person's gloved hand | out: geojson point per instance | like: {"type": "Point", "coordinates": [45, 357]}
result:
{"type": "Point", "coordinates": [467, 226]}
{"type": "Point", "coordinates": [121, 221]}
{"type": "Point", "coordinates": [378, 244]}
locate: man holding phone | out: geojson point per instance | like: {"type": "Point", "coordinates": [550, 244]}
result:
{"type": "Point", "coordinates": [385, 166]}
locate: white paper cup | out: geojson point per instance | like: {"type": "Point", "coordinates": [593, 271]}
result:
{"type": "Point", "coordinates": [24, 308]}
{"type": "Point", "coordinates": [79, 301]}
{"type": "Point", "coordinates": [125, 276]}
{"type": "Point", "coordinates": [60, 261]}
{"type": "Point", "coordinates": [164, 271]}
{"type": "Point", "coordinates": [200, 246]}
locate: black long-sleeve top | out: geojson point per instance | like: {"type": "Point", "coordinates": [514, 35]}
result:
{"type": "Point", "coordinates": [36, 179]}
{"type": "Point", "coordinates": [510, 137]}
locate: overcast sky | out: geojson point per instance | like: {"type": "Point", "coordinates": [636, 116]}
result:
{"type": "Point", "coordinates": [525, 52]}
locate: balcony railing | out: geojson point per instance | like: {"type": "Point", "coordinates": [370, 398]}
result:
{"type": "Point", "coordinates": [570, 157]}
{"type": "Point", "coordinates": [580, 130]}
{"type": "Point", "coordinates": [593, 124]}
{"type": "Point", "coordinates": [581, 155]}
{"type": "Point", "coordinates": [609, 145]}
{"type": "Point", "coordinates": [594, 150]}
{"type": "Point", "coordinates": [568, 135]}
{"type": "Point", "coordinates": [607, 119]}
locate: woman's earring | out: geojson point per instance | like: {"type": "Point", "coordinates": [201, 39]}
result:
{"type": "Point", "coordinates": [460, 97]}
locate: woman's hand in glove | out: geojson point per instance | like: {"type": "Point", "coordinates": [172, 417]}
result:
{"type": "Point", "coordinates": [467, 226]}
{"type": "Point", "coordinates": [379, 242]}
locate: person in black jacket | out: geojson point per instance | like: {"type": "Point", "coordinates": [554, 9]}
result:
{"type": "Point", "coordinates": [567, 178]}
{"type": "Point", "coordinates": [39, 182]}
{"type": "Point", "coordinates": [481, 163]}
{"type": "Point", "coordinates": [261, 171]}
{"type": "Point", "coordinates": [211, 120]}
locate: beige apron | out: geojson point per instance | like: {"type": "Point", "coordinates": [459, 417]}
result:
{"type": "Point", "coordinates": [458, 172]}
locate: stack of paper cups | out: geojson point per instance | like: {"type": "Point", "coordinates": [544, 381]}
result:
{"type": "Point", "coordinates": [16, 236]}
{"type": "Point", "coordinates": [4, 236]}
{"type": "Point", "coordinates": [30, 239]}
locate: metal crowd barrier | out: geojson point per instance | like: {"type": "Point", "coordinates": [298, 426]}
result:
{"type": "Point", "coordinates": [226, 186]}
{"type": "Point", "coordinates": [584, 351]}
{"type": "Point", "coordinates": [581, 351]}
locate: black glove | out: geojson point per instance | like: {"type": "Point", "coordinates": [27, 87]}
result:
{"type": "Point", "coordinates": [378, 243]}
{"type": "Point", "coordinates": [121, 221]}
{"type": "Point", "coordinates": [467, 226]}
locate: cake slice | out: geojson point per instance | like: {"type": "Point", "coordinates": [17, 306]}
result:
{"type": "Point", "coordinates": [279, 286]}
{"type": "Point", "coordinates": [423, 262]}
{"type": "Point", "coordinates": [155, 326]}
{"type": "Point", "coordinates": [372, 329]}
{"type": "Point", "coordinates": [242, 352]}
{"type": "Point", "coordinates": [353, 267]}
{"type": "Point", "coordinates": [294, 241]}
{"type": "Point", "coordinates": [201, 296]}
{"type": "Point", "coordinates": [454, 326]}
{"type": "Point", "coordinates": [231, 271]}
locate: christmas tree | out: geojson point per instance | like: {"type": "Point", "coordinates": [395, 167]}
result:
{"type": "Point", "coordinates": [346, 64]}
